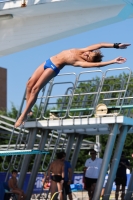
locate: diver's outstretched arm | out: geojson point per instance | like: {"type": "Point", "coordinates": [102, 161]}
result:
{"type": "Point", "coordinates": [85, 64]}
{"type": "Point", "coordinates": [106, 45]}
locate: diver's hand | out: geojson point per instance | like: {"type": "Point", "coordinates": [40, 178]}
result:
{"type": "Point", "coordinates": [120, 60]}
{"type": "Point", "coordinates": [124, 45]}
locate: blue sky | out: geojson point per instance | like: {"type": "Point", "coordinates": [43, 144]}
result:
{"type": "Point", "coordinates": [21, 65]}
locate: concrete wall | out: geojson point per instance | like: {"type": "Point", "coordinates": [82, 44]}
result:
{"type": "Point", "coordinates": [3, 88]}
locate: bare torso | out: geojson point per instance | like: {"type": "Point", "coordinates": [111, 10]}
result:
{"type": "Point", "coordinates": [12, 183]}
{"type": "Point", "coordinates": [69, 57]}
{"type": "Point", "coordinates": [57, 167]}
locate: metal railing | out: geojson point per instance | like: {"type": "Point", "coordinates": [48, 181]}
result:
{"type": "Point", "coordinates": [75, 93]}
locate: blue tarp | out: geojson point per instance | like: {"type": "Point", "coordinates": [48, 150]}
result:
{"type": "Point", "coordinates": [76, 186]}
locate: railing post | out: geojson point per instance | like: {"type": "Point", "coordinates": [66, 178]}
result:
{"type": "Point", "coordinates": [36, 165]}
{"type": "Point", "coordinates": [115, 161]}
{"type": "Point", "coordinates": [26, 159]}
{"type": "Point", "coordinates": [106, 160]}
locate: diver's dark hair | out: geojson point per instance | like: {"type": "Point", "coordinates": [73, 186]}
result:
{"type": "Point", "coordinates": [98, 56]}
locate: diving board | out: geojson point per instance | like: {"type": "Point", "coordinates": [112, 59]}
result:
{"type": "Point", "coordinates": [21, 152]}
{"type": "Point", "coordinates": [37, 15]}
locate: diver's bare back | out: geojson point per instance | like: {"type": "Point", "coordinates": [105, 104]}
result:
{"type": "Point", "coordinates": [56, 167]}
{"type": "Point", "coordinates": [68, 57]}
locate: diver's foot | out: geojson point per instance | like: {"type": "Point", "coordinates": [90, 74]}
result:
{"type": "Point", "coordinates": [19, 121]}
{"type": "Point", "coordinates": [30, 113]}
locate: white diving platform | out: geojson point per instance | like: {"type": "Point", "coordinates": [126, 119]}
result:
{"type": "Point", "coordinates": [99, 125]}
{"type": "Point", "coordinates": [43, 21]}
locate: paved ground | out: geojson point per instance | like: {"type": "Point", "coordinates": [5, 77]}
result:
{"type": "Point", "coordinates": [84, 195]}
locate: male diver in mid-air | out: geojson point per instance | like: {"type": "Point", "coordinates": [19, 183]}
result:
{"type": "Point", "coordinates": [87, 57]}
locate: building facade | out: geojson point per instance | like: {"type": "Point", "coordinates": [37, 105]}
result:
{"type": "Point", "coordinates": [3, 88]}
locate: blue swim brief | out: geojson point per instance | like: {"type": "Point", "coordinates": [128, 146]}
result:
{"type": "Point", "coordinates": [49, 64]}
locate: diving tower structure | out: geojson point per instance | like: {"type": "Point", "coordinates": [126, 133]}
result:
{"type": "Point", "coordinates": [43, 21]}
{"type": "Point", "coordinates": [98, 105]}
{"type": "Point", "coordinates": [74, 107]}
{"type": "Point", "coordinates": [92, 98]}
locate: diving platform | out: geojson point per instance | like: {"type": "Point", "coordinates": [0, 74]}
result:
{"type": "Point", "coordinates": [29, 23]}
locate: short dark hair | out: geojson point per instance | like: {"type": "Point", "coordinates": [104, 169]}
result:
{"type": "Point", "coordinates": [59, 155]}
{"type": "Point", "coordinates": [14, 171]}
{"type": "Point", "coordinates": [98, 56]}
{"type": "Point", "coordinates": [63, 154]}
{"type": "Point", "coordinates": [92, 150]}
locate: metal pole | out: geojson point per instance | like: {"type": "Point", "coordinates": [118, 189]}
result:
{"type": "Point", "coordinates": [130, 188]}
{"type": "Point", "coordinates": [98, 141]}
{"type": "Point", "coordinates": [106, 160]}
{"type": "Point", "coordinates": [26, 159]}
{"type": "Point", "coordinates": [21, 106]}
{"type": "Point", "coordinates": [76, 151]}
{"type": "Point", "coordinates": [115, 161]}
{"type": "Point", "coordinates": [36, 164]}
{"type": "Point", "coordinates": [47, 99]}
{"type": "Point", "coordinates": [69, 145]}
